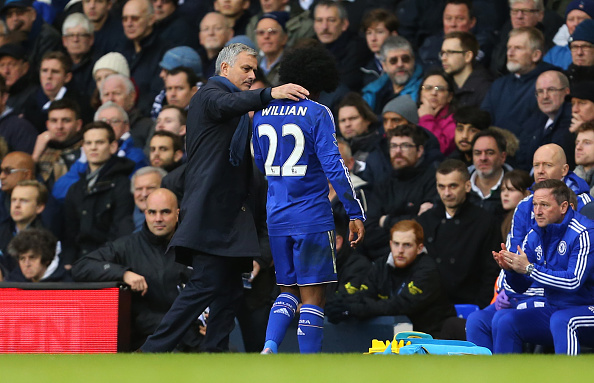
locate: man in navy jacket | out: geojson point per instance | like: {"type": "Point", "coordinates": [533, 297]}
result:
{"type": "Point", "coordinates": [510, 99]}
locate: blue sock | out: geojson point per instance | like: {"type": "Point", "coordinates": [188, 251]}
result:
{"type": "Point", "coordinates": [311, 329]}
{"type": "Point", "coordinates": [281, 315]}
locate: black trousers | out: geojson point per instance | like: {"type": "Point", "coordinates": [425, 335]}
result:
{"type": "Point", "coordinates": [215, 283]}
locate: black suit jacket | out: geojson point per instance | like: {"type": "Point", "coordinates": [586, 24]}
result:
{"type": "Point", "coordinates": [214, 215]}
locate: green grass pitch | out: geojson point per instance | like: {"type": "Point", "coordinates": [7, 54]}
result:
{"type": "Point", "coordinates": [327, 368]}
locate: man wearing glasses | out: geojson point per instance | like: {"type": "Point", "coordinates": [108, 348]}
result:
{"type": "Point", "coordinates": [78, 39]}
{"type": "Point", "coordinates": [551, 125]}
{"type": "Point", "coordinates": [576, 12]}
{"type": "Point", "coordinates": [581, 45]}
{"type": "Point", "coordinates": [458, 59]}
{"type": "Point", "coordinates": [271, 37]}
{"type": "Point", "coordinates": [402, 75]}
{"type": "Point", "coordinates": [15, 167]}
{"type": "Point", "coordinates": [525, 14]}
{"type": "Point", "coordinates": [119, 89]}
{"type": "Point", "coordinates": [408, 192]}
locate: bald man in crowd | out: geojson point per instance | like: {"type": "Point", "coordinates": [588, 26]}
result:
{"type": "Point", "coordinates": [15, 167]}
{"type": "Point", "coordinates": [139, 260]}
{"type": "Point", "coordinates": [551, 123]}
{"type": "Point", "coordinates": [19, 166]}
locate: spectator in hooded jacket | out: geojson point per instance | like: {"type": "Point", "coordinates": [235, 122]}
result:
{"type": "Point", "coordinates": [35, 251]}
{"type": "Point", "coordinates": [576, 12]}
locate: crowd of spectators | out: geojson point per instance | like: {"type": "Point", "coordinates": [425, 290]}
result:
{"type": "Point", "coordinates": [445, 111]}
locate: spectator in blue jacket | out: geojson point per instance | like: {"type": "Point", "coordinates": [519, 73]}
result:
{"type": "Point", "coordinates": [402, 75]}
{"type": "Point", "coordinates": [576, 12]}
{"type": "Point", "coordinates": [581, 45]}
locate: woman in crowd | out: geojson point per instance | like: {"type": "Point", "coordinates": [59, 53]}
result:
{"type": "Point", "coordinates": [514, 188]}
{"type": "Point", "coordinates": [436, 108]}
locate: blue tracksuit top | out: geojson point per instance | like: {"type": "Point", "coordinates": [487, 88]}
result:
{"type": "Point", "coordinates": [524, 214]}
{"type": "Point", "coordinates": [295, 146]}
{"type": "Point", "coordinates": [562, 256]}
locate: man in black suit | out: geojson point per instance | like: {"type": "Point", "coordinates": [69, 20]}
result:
{"type": "Point", "coordinates": [217, 235]}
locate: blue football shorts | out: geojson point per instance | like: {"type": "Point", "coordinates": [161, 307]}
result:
{"type": "Point", "coordinates": [306, 259]}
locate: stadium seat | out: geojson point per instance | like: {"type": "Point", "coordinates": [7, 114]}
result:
{"type": "Point", "coordinates": [464, 310]}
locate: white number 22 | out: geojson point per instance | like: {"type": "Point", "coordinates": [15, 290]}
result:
{"type": "Point", "coordinates": [289, 168]}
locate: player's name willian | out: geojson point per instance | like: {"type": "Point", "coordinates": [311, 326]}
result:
{"type": "Point", "coordinates": [284, 110]}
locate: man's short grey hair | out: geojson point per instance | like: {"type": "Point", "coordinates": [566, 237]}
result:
{"type": "Point", "coordinates": [536, 40]}
{"type": "Point", "coordinates": [342, 12]}
{"type": "Point", "coordinates": [126, 80]}
{"type": "Point", "coordinates": [109, 105]}
{"type": "Point", "coordinates": [229, 54]}
{"type": "Point", "coordinates": [392, 43]}
{"type": "Point", "coordinates": [538, 4]}
{"type": "Point", "coordinates": [77, 20]}
{"type": "Point", "coordinates": [146, 170]}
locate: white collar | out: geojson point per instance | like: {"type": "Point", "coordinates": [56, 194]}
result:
{"type": "Point", "coordinates": [477, 190]}
{"type": "Point", "coordinates": [59, 96]}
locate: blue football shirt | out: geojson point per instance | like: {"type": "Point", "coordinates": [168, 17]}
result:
{"type": "Point", "coordinates": [295, 146]}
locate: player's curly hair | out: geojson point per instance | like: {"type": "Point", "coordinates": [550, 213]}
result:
{"type": "Point", "coordinates": [312, 67]}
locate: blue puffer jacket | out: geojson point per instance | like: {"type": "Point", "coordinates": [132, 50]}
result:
{"type": "Point", "coordinates": [563, 261]}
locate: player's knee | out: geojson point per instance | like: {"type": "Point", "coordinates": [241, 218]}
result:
{"type": "Point", "coordinates": [559, 322]}
{"type": "Point", "coordinates": [477, 321]}
{"type": "Point", "coordinates": [506, 325]}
